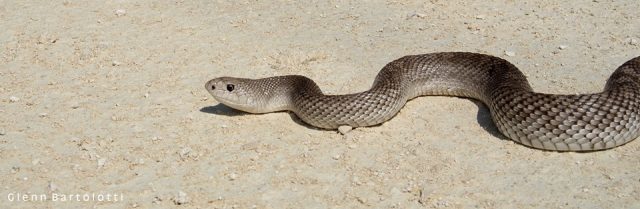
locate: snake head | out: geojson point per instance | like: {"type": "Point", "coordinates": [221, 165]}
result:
{"type": "Point", "coordinates": [234, 92]}
{"type": "Point", "coordinates": [262, 95]}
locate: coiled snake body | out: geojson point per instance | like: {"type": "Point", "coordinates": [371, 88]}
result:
{"type": "Point", "coordinates": [580, 122]}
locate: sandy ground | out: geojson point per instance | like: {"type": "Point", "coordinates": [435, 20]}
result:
{"type": "Point", "coordinates": [106, 98]}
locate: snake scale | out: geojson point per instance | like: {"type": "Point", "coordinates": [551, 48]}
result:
{"type": "Point", "coordinates": [573, 122]}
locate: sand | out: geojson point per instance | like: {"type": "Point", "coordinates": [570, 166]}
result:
{"type": "Point", "coordinates": [105, 99]}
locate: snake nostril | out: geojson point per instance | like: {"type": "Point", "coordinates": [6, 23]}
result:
{"type": "Point", "coordinates": [230, 87]}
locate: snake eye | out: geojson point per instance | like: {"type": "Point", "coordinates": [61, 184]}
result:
{"type": "Point", "coordinates": [213, 87]}
{"type": "Point", "coordinates": [230, 87]}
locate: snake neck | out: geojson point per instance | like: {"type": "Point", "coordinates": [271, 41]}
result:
{"type": "Point", "coordinates": [281, 92]}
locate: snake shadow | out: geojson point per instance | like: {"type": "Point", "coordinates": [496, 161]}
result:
{"type": "Point", "coordinates": [221, 109]}
{"type": "Point", "coordinates": [483, 117]}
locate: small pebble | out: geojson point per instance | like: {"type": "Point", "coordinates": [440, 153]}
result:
{"type": "Point", "coordinates": [633, 41]}
{"type": "Point", "coordinates": [509, 53]}
{"type": "Point", "coordinates": [42, 115]}
{"type": "Point", "coordinates": [356, 180]}
{"type": "Point", "coordinates": [480, 17]}
{"type": "Point", "coordinates": [14, 99]}
{"type": "Point", "coordinates": [52, 187]}
{"type": "Point", "coordinates": [250, 146]}
{"type": "Point", "coordinates": [156, 199]}
{"type": "Point", "coordinates": [418, 15]}
{"type": "Point", "coordinates": [233, 176]}
{"type": "Point", "coordinates": [102, 162]}
{"type": "Point", "coordinates": [181, 198]}
{"type": "Point", "coordinates": [3, 132]}
{"type": "Point", "coordinates": [336, 157]}
{"type": "Point", "coordinates": [561, 47]}
{"type": "Point", "coordinates": [184, 153]}
{"type": "Point", "coordinates": [442, 204]}
{"type": "Point", "coordinates": [120, 12]}
{"type": "Point", "coordinates": [344, 129]}
{"type": "Point", "coordinates": [116, 63]}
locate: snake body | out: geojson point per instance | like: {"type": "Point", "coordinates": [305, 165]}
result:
{"type": "Point", "coordinates": [576, 122]}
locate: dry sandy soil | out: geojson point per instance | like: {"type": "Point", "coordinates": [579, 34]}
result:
{"type": "Point", "coordinates": [107, 98]}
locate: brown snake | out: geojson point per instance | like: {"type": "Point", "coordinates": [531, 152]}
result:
{"type": "Point", "coordinates": [576, 122]}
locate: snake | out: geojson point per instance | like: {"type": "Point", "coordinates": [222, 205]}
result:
{"type": "Point", "coordinates": [560, 122]}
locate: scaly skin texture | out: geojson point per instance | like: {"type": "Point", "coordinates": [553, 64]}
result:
{"type": "Point", "coordinates": [581, 122]}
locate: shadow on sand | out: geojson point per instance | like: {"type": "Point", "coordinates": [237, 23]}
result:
{"type": "Point", "coordinates": [221, 109]}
